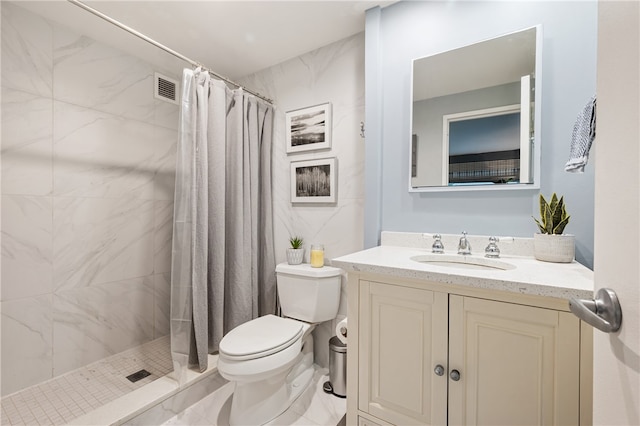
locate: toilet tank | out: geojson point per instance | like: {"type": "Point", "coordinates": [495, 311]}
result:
{"type": "Point", "coordinates": [309, 294]}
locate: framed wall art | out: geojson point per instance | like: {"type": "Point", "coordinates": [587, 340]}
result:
{"type": "Point", "coordinates": [309, 129]}
{"type": "Point", "coordinates": [314, 181]}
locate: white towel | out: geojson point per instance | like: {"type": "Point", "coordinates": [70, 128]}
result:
{"type": "Point", "coordinates": [584, 131]}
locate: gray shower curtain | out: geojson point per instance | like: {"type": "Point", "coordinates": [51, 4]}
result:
{"type": "Point", "coordinates": [223, 265]}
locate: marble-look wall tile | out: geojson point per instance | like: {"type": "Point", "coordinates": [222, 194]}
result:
{"type": "Point", "coordinates": [93, 75]}
{"type": "Point", "coordinates": [27, 143]}
{"type": "Point", "coordinates": [164, 184]}
{"type": "Point", "coordinates": [338, 228]}
{"type": "Point", "coordinates": [162, 304]}
{"type": "Point", "coordinates": [162, 236]}
{"type": "Point", "coordinates": [167, 114]}
{"type": "Point", "coordinates": [26, 51]}
{"type": "Point", "coordinates": [26, 342]}
{"type": "Point", "coordinates": [335, 74]}
{"type": "Point", "coordinates": [93, 322]}
{"type": "Point", "coordinates": [85, 152]}
{"type": "Point", "coordinates": [99, 240]}
{"type": "Point", "coordinates": [101, 155]}
{"type": "Point", "coordinates": [26, 246]}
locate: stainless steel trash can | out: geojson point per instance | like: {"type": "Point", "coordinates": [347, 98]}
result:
{"type": "Point", "coordinates": [337, 384]}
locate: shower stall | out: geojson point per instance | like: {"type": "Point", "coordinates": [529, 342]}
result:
{"type": "Point", "coordinates": [88, 173]}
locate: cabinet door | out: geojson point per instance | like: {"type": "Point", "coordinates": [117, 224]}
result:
{"type": "Point", "coordinates": [518, 365]}
{"type": "Point", "coordinates": [403, 336]}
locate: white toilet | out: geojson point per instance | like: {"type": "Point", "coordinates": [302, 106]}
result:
{"type": "Point", "coordinates": [270, 358]}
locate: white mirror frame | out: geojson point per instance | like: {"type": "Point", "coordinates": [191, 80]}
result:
{"type": "Point", "coordinates": [534, 162]}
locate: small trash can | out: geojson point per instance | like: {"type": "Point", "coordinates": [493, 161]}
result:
{"type": "Point", "coordinates": [337, 383]}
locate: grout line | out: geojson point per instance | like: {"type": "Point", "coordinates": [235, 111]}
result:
{"type": "Point", "coordinates": [75, 393]}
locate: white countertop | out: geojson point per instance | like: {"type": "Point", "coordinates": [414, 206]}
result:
{"type": "Point", "coordinates": [530, 276]}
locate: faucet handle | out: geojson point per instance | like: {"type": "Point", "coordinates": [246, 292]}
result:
{"type": "Point", "coordinates": [464, 247]}
{"type": "Point", "coordinates": [492, 249]}
{"type": "Point", "coordinates": [437, 246]}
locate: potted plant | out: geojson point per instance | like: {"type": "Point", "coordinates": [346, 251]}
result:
{"type": "Point", "coordinates": [295, 253]}
{"type": "Point", "coordinates": [551, 244]}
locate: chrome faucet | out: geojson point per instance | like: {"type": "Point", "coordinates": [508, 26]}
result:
{"type": "Point", "coordinates": [463, 246]}
{"type": "Point", "coordinates": [492, 249]}
{"type": "Point", "coordinates": [437, 246]}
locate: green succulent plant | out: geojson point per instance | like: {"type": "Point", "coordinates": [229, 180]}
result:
{"type": "Point", "coordinates": [296, 242]}
{"type": "Point", "coordinates": [553, 215]}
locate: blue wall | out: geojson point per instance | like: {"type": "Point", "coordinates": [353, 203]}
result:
{"type": "Point", "coordinates": [406, 30]}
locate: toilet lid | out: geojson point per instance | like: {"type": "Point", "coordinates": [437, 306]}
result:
{"type": "Point", "coordinates": [260, 337]}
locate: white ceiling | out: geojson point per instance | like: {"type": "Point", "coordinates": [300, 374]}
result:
{"type": "Point", "coordinates": [233, 38]}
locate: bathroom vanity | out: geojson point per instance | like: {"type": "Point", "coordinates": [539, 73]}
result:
{"type": "Point", "coordinates": [451, 339]}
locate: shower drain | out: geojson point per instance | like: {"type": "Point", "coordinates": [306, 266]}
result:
{"type": "Point", "coordinates": [138, 375]}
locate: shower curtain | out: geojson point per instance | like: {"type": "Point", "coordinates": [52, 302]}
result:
{"type": "Point", "coordinates": [223, 265]}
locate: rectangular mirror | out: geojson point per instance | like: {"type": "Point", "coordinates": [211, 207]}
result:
{"type": "Point", "coordinates": [475, 116]}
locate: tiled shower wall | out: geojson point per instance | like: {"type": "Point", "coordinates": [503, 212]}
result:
{"type": "Point", "coordinates": [333, 73]}
{"type": "Point", "coordinates": [88, 159]}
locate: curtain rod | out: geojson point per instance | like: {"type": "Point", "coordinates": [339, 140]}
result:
{"type": "Point", "coordinates": [162, 46]}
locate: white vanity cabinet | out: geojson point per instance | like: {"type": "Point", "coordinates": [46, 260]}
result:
{"type": "Point", "coordinates": [518, 357]}
{"type": "Point", "coordinates": [403, 336]}
{"type": "Point", "coordinates": [518, 364]}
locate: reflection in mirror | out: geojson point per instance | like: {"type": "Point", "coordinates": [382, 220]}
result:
{"type": "Point", "coordinates": [475, 111]}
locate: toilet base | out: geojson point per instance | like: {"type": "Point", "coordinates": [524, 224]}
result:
{"type": "Point", "coordinates": [257, 403]}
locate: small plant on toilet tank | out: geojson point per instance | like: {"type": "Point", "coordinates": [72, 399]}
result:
{"type": "Point", "coordinates": [551, 244]}
{"type": "Point", "coordinates": [295, 253]}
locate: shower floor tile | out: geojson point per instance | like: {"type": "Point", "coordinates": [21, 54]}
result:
{"type": "Point", "coordinates": [73, 394]}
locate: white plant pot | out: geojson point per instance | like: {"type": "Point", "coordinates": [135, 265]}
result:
{"type": "Point", "coordinates": [554, 248]}
{"type": "Point", "coordinates": [294, 256]}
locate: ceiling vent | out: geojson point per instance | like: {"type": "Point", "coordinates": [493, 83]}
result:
{"type": "Point", "coordinates": [166, 88]}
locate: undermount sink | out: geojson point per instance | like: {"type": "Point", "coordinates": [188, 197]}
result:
{"type": "Point", "coordinates": [462, 262]}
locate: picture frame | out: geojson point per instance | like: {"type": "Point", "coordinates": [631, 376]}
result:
{"type": "Point", "coordinates": [314, 181]}
{"type": "Point", "coordinates": [309, 129]}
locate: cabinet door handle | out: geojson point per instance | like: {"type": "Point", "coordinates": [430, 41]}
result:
{"type": "Point", "coordinates": [455, 375]}
{"type": "Point", "coordinates": [439, 370]}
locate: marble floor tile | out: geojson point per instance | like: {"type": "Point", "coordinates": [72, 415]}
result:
{"type": "Point", "coordinates": [316, 405]}
{"type": "Point", "coordinates": [313, 408]}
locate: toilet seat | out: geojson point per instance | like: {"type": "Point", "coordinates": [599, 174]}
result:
{"type": "Point", "coordinates": [260, 348]}
{"type": "Point", "coordinates": [260, 337]}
